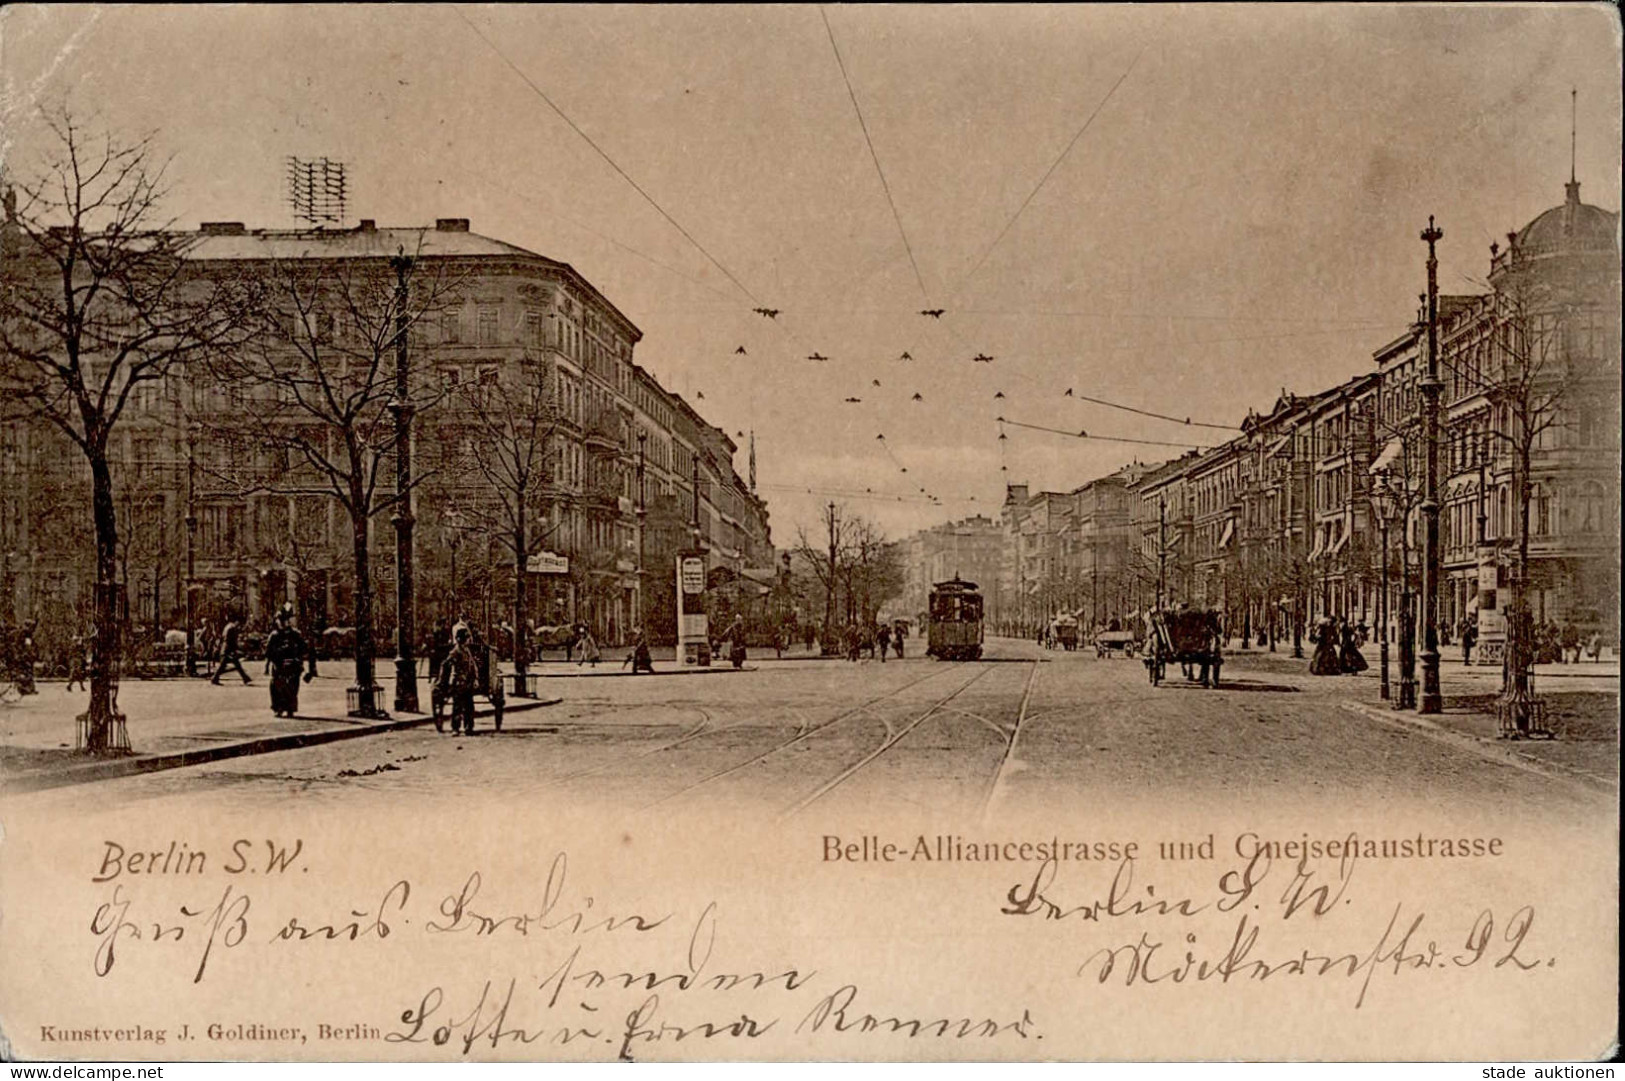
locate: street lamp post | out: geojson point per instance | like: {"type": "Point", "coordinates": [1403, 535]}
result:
{"type": "Point", "coordinates": [406, 680]}
{"type": "Point", "coordinates": [643, 438]}
{"type": "Point", "coordinates": [192, 431]}
{"type": "Point", "coordinates": [1431, 386]}
{"type": "Point", "coordinates": [1407, 619]}
{"type": "Point", "coordinates": [1383, 503]}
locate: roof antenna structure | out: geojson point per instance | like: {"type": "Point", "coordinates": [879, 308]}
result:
{"type": "Point", "coordinates": [317, 188]}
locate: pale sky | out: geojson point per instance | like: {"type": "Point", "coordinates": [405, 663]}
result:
{"type": "Point", "coordinates": [1240, 216]}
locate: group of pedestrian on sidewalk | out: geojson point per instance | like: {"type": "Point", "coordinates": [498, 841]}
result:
{"type": "Point", "coordinates": [1337, 648]}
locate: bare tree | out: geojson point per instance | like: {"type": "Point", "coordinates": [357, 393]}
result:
{"type": "Point", "coordinates": [97, 298]}
{"type": "Point", "coordinates": [316, 384]}
{"type": "Point", "coordinates": [512, 426]}
{"type": "Point", "coordinates": [825, 561]}
{"type": "Point", "coordinates": [1528, 384]}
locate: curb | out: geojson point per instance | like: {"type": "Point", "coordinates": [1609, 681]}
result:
{"type": "Point", "coordinates": [717, 671]}
{"type": "Point", "coordinates": [1492, 750]}
{"type": "Point", "coordinates": [112, 768]}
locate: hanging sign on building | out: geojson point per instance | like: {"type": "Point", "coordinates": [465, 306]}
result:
{"type": "Point", "coordinates": [548, 563]}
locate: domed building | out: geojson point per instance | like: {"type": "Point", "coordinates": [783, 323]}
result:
{"type": "Point", "coordinates": [1532, 376]}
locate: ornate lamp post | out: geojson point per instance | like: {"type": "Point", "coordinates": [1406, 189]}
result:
{"type": "Point", "coordinates": [406, 679]}
{"type": "Point", "coordinates": [1386, 507]}
{"type": "Point", "coordinates": [1431, 385]}
{"type": "Point", "coordinates": [643, 512]}
{"type": "Point", "coordinates": [193, 430]}
{"type": "Point", "coordinates": [1407, 618]}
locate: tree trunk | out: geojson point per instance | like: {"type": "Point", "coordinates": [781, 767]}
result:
{"type": "Point", "coordinates": [104, 658]}
{"type": "Point", "coordinates": [364, 647]}
{"type": "Point", "coordinates": [1520, 623]}
{"type": "Point", "coordinates": [521, 642]}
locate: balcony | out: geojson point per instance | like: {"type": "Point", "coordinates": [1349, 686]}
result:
{"type": "Point", "coordinates": [602, 432]}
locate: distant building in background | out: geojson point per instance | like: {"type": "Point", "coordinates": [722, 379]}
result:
{"type": "Point", "coordinates": [970, 549]}
{"type": "Point", "coordinates": [1277, 527]}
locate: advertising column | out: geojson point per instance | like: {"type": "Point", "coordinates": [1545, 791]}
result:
{"type": "Point", "coordinates": [693, 634]}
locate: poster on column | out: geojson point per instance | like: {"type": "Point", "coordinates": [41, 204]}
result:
{"type": "Point", "coordinates": [920, 314]}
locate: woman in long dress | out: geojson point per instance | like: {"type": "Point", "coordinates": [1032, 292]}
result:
{"type": "Point", "coordinates": [1353, 660]}
{"type": "Point", "coordinates": [286, 653]}
{"type": "Point", "coordinates": [1326, 661]}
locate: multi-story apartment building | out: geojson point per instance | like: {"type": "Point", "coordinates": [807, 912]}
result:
{"type": "Point", "coordinates": [486, 317]}
{"type": "Point", "coordinates": [1282, 525]}
{"type": "Point", "coordinates": [970, 549]}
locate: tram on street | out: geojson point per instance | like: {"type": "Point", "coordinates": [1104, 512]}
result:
{"type": "Point", "coordinates": [955, 632]}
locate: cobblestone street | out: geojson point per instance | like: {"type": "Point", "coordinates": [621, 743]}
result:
{"type": "Point", "coordinates": [1018, 732]}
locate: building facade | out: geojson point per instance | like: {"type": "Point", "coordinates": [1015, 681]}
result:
{"type": "Point", "coordinates": [626, 472]}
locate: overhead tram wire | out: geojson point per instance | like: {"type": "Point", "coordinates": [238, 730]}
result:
{"type": "Point", "coordinates": [613, 164]}
{"type": "Point", "coordinates": [873, 155]}
{"type": "Point", "coordinates": [1056, 164]}
{"type": "Point", "coordinates": [1105, 438]}
{"type": "Point", "coordinates": [482, 180]}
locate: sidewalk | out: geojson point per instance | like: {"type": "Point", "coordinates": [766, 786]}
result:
{"type": "Point", "coordinates": [1585, 726]}
{"type": "Point", "coordinates": [186, 722]}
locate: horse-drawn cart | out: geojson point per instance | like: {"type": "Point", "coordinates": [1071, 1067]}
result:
{"type": "Point", "coordinates": [1114, 643]}
{"type": "Point", "coordinates": [1189, 637]}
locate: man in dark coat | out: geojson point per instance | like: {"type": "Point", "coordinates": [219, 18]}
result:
{"type": "Point", "coordinates": [459, 678]}
{"type": "Point", "coordinates": [439, 650]}
{"type": "Point", "coordinates": [231, 657]}
{"type": "Point", "coordinates": [286, 655]}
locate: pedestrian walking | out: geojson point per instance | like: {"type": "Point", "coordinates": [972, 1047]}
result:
{"type": "Point", "coordinates": [588, 646]}
{"type": "Point", "coordinates": [1326, 661]}
{"type": "Point", "coordinates": [884, 637]}
{"type": "Point", "coordinates": [1570, 642]}
{"type": "Point", "coordinates": [231, 658]}
{"type": "Point", "coordinates": [79, 663]}
{"type": "Point", "coordinates": [439, 649]}
{"type": "Point", "coordinates": [811, 636]}
{"type": "Point", "coordinates": [287, 656]}
{"type": "Point", "coordinates": [24, 653]}
{"type": "Point", "coordinates": [897, 642]}
{"type": "Point", "coordinates": [1353, 661]}
{"type": "Point", "coordinates": [639, 657]}
{"type": "Point", "coordinates": [459, 676]}
{"type": "Point", "coordinates": [1469, 639]}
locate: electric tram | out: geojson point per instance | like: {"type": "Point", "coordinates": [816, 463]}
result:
{"type": "Point", "coordinates": [956, 621]}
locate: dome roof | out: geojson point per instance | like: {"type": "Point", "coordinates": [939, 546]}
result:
{"type": "Point", "coordinates": [1572, 227]}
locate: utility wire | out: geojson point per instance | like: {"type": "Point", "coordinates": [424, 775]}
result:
{"type": "Point", "coordinates": [1105, 438]}
{"type": "Point", "coordinates": [1056, 164]}
{"type": "Point", "coordinates": [851, 93]}
{"type": "Point", "coordinates": [1156, 416]}
{"type": "Point", "coordinates": [613, 164]}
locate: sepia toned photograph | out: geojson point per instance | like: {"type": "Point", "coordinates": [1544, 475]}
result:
{"type": "Point", "coordinates": [809, 533]}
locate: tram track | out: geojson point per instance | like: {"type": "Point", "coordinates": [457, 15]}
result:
{"type": "Point", "coordinates": [893, 738]}
{"type": "Point", "coordinates": [805, 733]}
{"type": "Point", "coordinates": [1009, 754]}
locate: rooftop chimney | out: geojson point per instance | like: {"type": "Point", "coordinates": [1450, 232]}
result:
{"type": "Point", "coordinates": [451, 225]}
{"type": "Point", "coordinates": [223, 228]}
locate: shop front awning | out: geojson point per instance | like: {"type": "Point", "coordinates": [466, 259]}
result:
{"type": "Point", "coordinates": [1229, 531]}
{"type": "Point", "coordinates": [1314, 553]}
{"type": "Point", "coordinates": [1390, 454]}
{"type": "Point", "coordinates": [1339, 544]}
